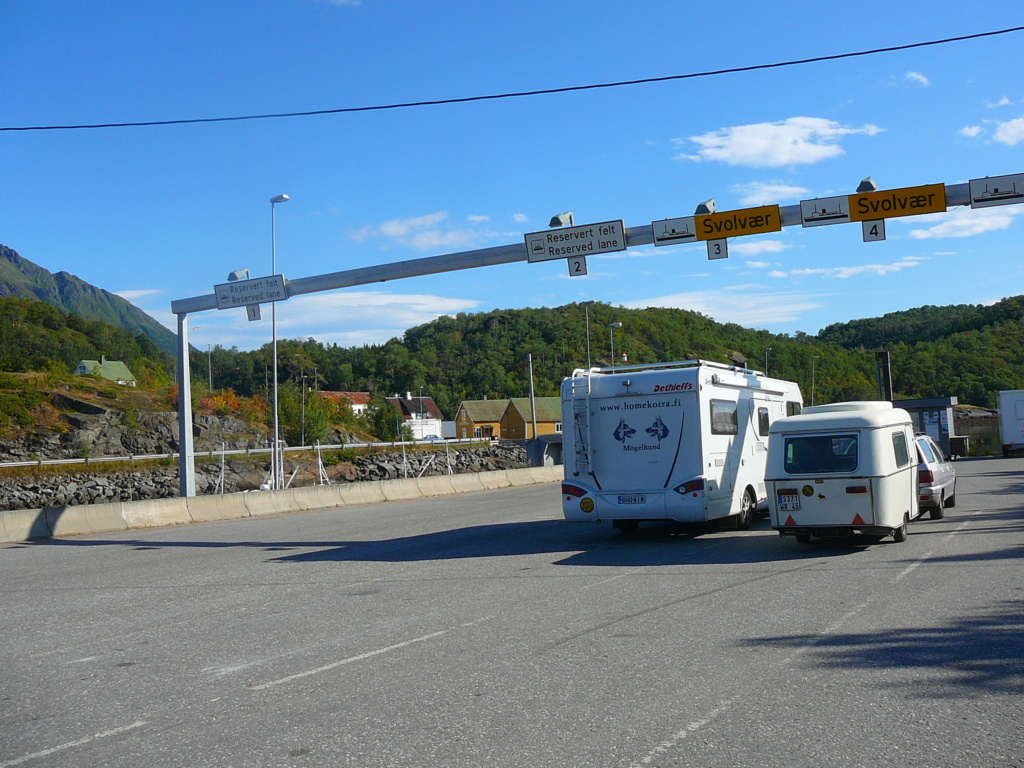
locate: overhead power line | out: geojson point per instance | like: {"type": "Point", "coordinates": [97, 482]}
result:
{"type": "Point", "coordinates": [517, 94]}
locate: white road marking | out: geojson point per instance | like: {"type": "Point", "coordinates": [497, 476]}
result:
{"type": "Point", "coordinates": [367, 655]}
{"type": "Point", "coordinates": [70, 744]}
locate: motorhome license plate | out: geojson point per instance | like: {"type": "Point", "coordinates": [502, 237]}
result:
{"type": "Point", "coordinates": [633, 498]}
{"type": "Point", "coordinates": [788, 502]}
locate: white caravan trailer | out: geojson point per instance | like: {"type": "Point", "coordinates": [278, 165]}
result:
{"type": "Point", "coordinates": [1011, 420]}
{"type": "Point", "coordinates": [682, 442]}
{"type": "Point", "coordinates": [841, 469]}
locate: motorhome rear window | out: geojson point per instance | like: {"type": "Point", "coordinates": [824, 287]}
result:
{"type": "Point", "coordinates": [820, 454]}
{"type": "Point", "coordinates": [763, 422]}
{"type": "Point", "coordinates": [723, 418]}
{"type": "Point", "coordinates": [900, 449]}
{"type": "Point", "coordinates": [793, 408]}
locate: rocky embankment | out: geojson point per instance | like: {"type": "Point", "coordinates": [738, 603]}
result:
{"type": "Point", "coordinates": [96, 432]}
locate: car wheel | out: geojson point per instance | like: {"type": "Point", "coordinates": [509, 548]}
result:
{"type": "Point", "coordinates": [803, 538]}
{"type": "Point", "coordinates": [951, 501]}
{"type": "Point", "coordinates": [899, 535]}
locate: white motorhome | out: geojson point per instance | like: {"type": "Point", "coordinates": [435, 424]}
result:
{"type": "Point", "coordinates": [841, 469]}
{"type": "Point", "coordinates": [684, 442]}
{"type": "Point", "coordinates": [1011, 420]}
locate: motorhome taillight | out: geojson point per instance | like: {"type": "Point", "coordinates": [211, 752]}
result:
{"type": "Point", "coordinates": [573, 490]}
{"type": "Point", "coordinates": [691, 486]}
{"type": "Point", "coordinates": [925, 475]}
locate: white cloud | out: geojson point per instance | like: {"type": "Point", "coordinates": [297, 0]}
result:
{"type": "Point", "coordinates": [966, 222]}
{"type": "Point", "coordinates": [794, 141]}
{"type": "Point", "coordinates": [1003, 102]}
{"type": "Point", "coordinates": [759, 264]}
{"type": "Point", "coordinates": [764, 193]}
{"type": "Point", "coordinates": [843, 273]}
{"type": "Point", "coordinates": [1011, 133]}
{"type": "Point", "coordinates": [138, 294]}
{"type": "Point", "coordinates": [477, 219]}
{"type": "Point", "coordinates": [970, 131]}
{"type": "Point", "coordinates": [755, 247]}
{"type": "Point", "coordinates": [917, 77]}
{"type": "Point", "coordinates": [424, 233]}
{"type": "Point", "coordinates": [520, 218]}
{"type": "Point", "coordinates": [746, 305]}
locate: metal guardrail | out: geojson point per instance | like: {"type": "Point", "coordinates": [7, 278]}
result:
{"type": "Point", "coordinates": [239, 452]}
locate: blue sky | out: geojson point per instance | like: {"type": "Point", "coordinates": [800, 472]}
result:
{"type": "Point", "coordinates": [162, 213]}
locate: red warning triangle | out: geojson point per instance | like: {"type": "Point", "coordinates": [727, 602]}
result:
{"type": "Point", "coordinates": [790, 521]}
{"type": "Point", "coordinates": [858, 520]}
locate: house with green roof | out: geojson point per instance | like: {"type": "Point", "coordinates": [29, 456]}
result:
{"type": "Point", "coordinates": [479, 418]}
{"type": "Point", "coordinates": [517, 421]}
{"type": "Point", "coordinates": [112, 370]}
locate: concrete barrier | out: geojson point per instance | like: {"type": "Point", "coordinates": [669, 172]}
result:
{"type": "Point", "coordinates": [368, 492]}
{"type": "Point", "coordinates": [270, 502]}
{"type": "Point", "coordinates": [498, 478]}
{"type": "Point", "coordinates": [467, 483]}
{"type": "Point", "coordinates": [19, 525]}
{"type": "Point", "coordinates": [69, 521]}
{"type": "Point", "coordinates": [104, 518]}
{"type": "Point", "coordinates": [229, 506]}
{"type": "Point", "coordinates": [153, 512]}
{"type": "Point", "coordinates": [519, 477]}
{"type": "Point", "coordinates": [435, 485]}
{"type": "Point", "coordinates": [25, 525]}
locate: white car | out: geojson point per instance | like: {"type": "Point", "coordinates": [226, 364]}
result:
{"type": "Point", "coordinates": [936, 478]}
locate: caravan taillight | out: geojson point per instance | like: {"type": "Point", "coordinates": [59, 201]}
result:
{"type": "Point", "coordinates": [691, 486]}
{"type": "Point", "coordinates": [573, 490]}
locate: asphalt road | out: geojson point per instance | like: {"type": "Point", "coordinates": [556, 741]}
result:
{"type": "Point", "coordinates": [484, 630]}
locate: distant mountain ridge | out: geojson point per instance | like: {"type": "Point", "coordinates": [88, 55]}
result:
{"type": "Point", "coordinates": [23, 279]}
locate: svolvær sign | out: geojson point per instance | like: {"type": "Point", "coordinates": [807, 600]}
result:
{"type": "Point", "coordinates": [891, 203]}
{"type": "Point", "coordinates": [746, 221]}
{"type": "Point", "coordinates": [571, 242]}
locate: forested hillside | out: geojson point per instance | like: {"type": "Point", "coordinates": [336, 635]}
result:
{"type": "Point", "coordinates": [36, 336]}
{"type": "Point", "coordinates": [964, 351]}
{"type": "Point", "coordinates": [969, 352]}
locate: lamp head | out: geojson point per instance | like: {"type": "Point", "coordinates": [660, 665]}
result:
{"type": "Point", "coordinates": [867, 185]}
{"type": "Point", "coordinates": [238, 274]}
{"type": "Point", "coordinates": [706, 208]}
{"type": "Point", "coordinates": [561, 220]}
{"type": "Point", "coordinates": [280, 199]}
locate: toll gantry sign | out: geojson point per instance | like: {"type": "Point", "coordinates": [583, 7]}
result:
{"type": "Point", "coordinates": [245, 293]}
{"type": "Point", "coordinates": [576, 243]}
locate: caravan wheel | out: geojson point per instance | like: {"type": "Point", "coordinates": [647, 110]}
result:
{"type": "Point", "coordinates": [899, 535]}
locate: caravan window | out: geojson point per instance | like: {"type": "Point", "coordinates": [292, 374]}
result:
{"type": "Point", "coordinates": [820, 454]}
{"type": "Point", "coordinates": [794, 408]}
{"type": "Point", "coordinates": [723, 418]}
{"type": "Point", "coordinates": [899, 446]}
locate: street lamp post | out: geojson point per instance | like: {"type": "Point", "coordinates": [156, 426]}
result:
{"type": "Point", "coordinates": [813, 361]}
{"type": "Point", "coordinates": [275, 461]}
{"type": "Point", "coordinates": [611, 334]}
{"type": "Point", "coordinates": [586, 306]}
{"type": "Point", "coordinates": [209, 366]}
{"type": "Point", "coordinates": [766, 351]}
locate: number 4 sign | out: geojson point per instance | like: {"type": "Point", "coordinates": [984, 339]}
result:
{"type": "Point", "coordinates": [577, 266]}
{"type": "Point", "coordinates": [873, 230]}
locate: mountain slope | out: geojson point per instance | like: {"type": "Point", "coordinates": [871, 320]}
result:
{"type": "Point", "coordinates": [20, 278]}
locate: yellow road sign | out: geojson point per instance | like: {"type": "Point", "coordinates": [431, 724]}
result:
{"type": "Point", "coordinates": [746, 221]}
{"type": "Point", "coordinates": [890, 203]}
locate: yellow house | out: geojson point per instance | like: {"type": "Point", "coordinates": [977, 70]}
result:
{"type": "Point", "coordinates": [479, 418]}
{"type": "Point", "coordinates": [517, 420]}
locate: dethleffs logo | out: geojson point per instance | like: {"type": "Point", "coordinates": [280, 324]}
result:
{"type": "Point", "coordinates": [678, 387]}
